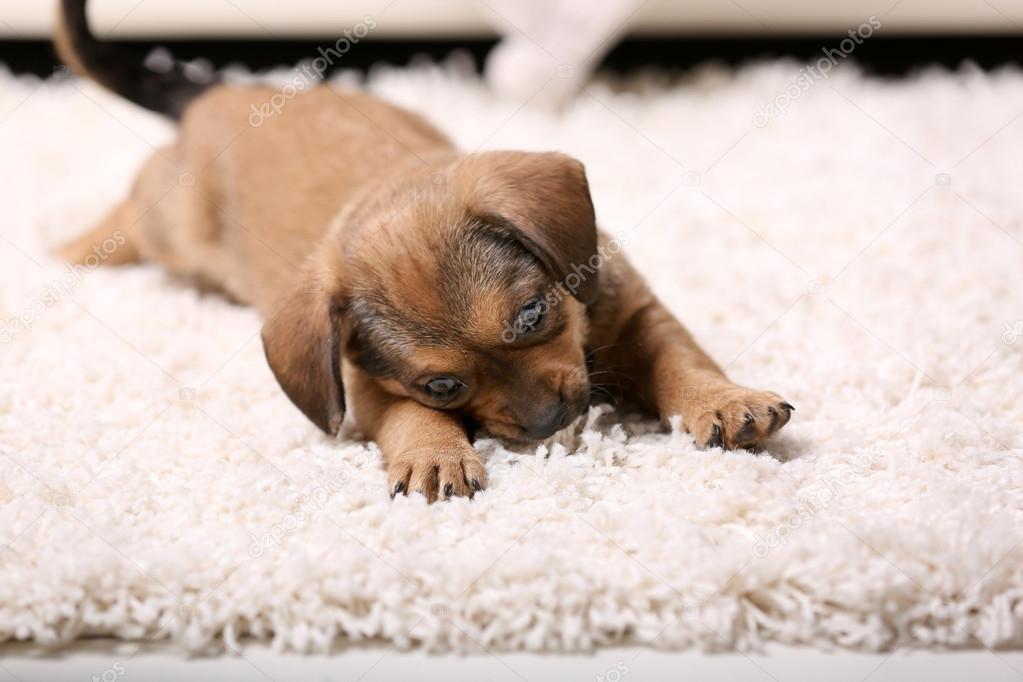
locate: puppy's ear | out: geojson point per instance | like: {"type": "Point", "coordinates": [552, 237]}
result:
{"type": "Point", "coordinates": [302, 340]}
{"type": "Point", "coordinates": [543, 199]}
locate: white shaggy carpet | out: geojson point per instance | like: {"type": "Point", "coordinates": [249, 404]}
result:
{"type": "Point", "coordinates": [860, 255]}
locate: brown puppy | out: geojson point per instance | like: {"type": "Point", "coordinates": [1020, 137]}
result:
{"type": "Point", "coordinates": [444, 293]}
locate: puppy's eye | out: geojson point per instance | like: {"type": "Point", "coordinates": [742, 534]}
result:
{"type": "Point", "coordinates": [443, 389]}
{"type": "Point", "coordinates": [531, 315]}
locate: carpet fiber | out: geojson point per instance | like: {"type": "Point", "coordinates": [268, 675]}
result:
{"type": "Point", "coordinates": [853, 244]}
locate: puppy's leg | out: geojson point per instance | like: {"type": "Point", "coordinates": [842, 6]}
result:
{"type": "Point", "coordinates": [425, 450]}
{"type": "Point", "coordinates": [428, 452]}
{"type": "Point", "coordinates": [107, 243]}
{"type": "Point", "coordinates": [673, 376]}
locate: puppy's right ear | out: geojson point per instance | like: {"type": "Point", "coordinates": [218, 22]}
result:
{"type": "Point", "coordinates": [302, 340]}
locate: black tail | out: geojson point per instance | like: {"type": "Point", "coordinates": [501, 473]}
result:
{"type": "Point", "coordinates": [118, 68]}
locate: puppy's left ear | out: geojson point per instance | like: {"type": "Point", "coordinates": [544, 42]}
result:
{"type": "Point", "coordinates": [302, 343]}
{"type": "Point", "coordinates": [543, 199]}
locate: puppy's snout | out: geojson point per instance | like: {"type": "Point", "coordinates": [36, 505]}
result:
{"type": "Point", "coordinates": [548, 421]}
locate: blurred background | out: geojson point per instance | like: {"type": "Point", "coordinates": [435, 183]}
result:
{"type": "Point", "coordinates": [618, 34]}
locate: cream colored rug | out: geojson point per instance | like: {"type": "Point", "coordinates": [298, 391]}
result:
{"type": "Point", "coordinates": [853, 244]}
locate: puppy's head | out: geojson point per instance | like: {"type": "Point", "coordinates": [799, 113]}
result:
{"type": "Point", "coordinates": [463, 289]}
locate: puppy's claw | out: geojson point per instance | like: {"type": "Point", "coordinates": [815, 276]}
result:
{"type": "Point", "coordinates": [715, 437]}
{"type": "Point", "coordinates": [437, 473]}
{"type": "Point", "coordinates": [747, 435]}
{"type": "Point", "coordinates": [734, 417]}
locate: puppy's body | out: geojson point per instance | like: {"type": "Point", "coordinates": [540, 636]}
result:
{"type": "Point", "coordinates": [445, 292]}
{"type": "Point", "coordinates": [241, 207]}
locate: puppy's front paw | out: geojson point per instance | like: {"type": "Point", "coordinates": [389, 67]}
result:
{"type": "Point", "coordinates": [731, 416]}
{"type": "Point", "coordinates": [437, 472]}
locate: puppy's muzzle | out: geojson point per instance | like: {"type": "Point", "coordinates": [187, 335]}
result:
{"type": "Point", "coordinates": [548, 421]}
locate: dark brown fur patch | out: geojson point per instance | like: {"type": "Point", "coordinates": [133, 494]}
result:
{"type": "Point", "coordinates": [120, 68]}
{"type": "Point", "coordinates": [302, 345]}
{"type": "Point", "coordinates": [481, 280]}
{"type": "Point", "coordinates": [544, 200]}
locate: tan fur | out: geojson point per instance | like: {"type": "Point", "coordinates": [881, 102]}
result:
{"type": "Point", "coordinates": [342, 198]}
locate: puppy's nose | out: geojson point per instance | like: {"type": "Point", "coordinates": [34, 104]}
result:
{"type": "Point", "coordinates": [548, 422]}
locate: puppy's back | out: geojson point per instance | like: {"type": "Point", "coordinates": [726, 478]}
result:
{"type": "Point", "coordinates": [278, 181]}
